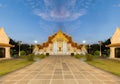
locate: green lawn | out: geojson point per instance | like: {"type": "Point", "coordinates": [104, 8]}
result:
{"type": "Point", "coordinates": [109, 65]}
{"type": "Point", "coordinates": [7, 66]}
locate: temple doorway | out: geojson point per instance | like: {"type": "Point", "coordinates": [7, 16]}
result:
{"type": "Point", "coordinates": [2, 52]}
{"type": "Point", "coordinates": [117, 52]}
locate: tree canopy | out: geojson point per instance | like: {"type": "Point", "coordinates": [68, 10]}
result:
{"type": "Point", "coordinates": [23, 47]}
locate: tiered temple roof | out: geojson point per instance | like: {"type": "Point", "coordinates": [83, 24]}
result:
{"type": "Point", "coordinates": [46, 44]}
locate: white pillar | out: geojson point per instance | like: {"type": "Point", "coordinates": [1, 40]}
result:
{"type": "Point", "coordinates": [64, 48]}
{"type": "Point", "coordinates": [112, 52]}
{"type": "Point", "coordinates": [55, 48]}
{"type": "Point", "coordinates": [7, 52]}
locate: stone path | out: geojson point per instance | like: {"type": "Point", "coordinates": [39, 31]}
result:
{"type": "Point", "coordinates": [59, 70]}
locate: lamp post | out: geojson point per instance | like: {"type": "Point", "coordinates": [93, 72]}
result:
{"type": "Point", "coordinates": [84, 51]}
{"type": "Point", "coordinates": [30, 48]}
{"type": "Point", "coordinates": [35, 52]}
{"type": "Point", "coordinates": [19, 44]}
{"type": "Point", "coordinates": [89, 48]}
{"type": "Point", "coordinates": [100, 43]}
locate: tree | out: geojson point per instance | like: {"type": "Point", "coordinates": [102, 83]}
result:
{"type": "Point", "coordinates": [27, 48]}
{"type": "Point", "coordinates": [92, 48]}
{"type": "Point", "coordinates": [105, 50]}
{"type": "Point", "coordinates": [23, 47]}
{"type": "Point", "coordinates": [15, 49]}
{"type": "Point", "coordinates": [96, 47]}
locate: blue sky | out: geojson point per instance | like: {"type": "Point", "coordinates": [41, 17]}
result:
{"type": "Point", "coordinates": [90, 20]}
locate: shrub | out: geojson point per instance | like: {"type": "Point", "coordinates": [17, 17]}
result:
{"type": "Point", "coordinates": [22, 53]}
{"type": "Point", "coordinates": [15, 56]}
{"type": "Point", "coordinates": [23, 57]}
{"type": "Point", "coordinates": [42, 56]}
{"type": "Point", "coordinates": [11, 52]}
{"type": "Point", "coordinates": [72, 54]}
{"type": "Point", "coordinates": [108, 52]}
{"type": "Point", "coordinates": [97, 53]}
{"type": "Point", "coordinates": [39, 56]}
{"type": "Point", "coordinates": [47, 54]}
{"type": "Point", "coordinates": [30, 57]}
{"type": "Point", "coordinates": [89, 57]}
{"type": "Point", "coordinates": [77, 56]}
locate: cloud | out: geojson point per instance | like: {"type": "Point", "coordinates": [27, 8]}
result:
{"type": "Point", "coordinates": [2, 5]}
{"type": "Point", "coordinates": [117, 5]}
{"type": "Point", "coordinates": [76, 15]}
{"type": "Point", "coordinates": [60, 14]}
{"type": "Point", "coordinates": [57, 16]}
{"type": "Point", "coordinates": [62, 10]}
{"type": "Point", "coordinates": [42, 15]}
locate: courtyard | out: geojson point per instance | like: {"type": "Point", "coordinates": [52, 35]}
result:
{"type": "Point", "coordinates": [59, 70]}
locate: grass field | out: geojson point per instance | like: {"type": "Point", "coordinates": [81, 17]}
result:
{"type": "Point", "coordinates": [109, 65]}
{"type": "Point", "coordinates": [7, 66]}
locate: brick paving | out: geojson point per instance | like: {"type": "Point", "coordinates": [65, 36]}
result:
{"type": "Point", "coordinates": [60, 70]}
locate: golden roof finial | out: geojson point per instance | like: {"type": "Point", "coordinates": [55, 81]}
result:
{"type": "Point", "coordinates": [59, 31]}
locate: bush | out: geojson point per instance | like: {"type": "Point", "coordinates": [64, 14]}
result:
{"type": "Point", "coordinates": [108, 52]}
{"type": "Point", "coordinates": [89, 57]}
{"type": "Point", "coordinates": [39, 56]}
{"type": "Point", "coordinates": [47, 54]}
{"type": "Point", "coordinates": [22, 53]}
{"type": "Point", "coordinates": [77, 56]}
{"type": "Point", "coordinates": [42, 56]}
{"type": "Point", "coordinates": [30, 57]}
{"type": "Point", "coordinates": [72, 54]}
{"type": "Point", "coordinates": [97, 53]}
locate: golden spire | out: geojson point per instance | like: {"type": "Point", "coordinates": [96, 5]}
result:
{"type": "Point", "coordinates": [60, 31]}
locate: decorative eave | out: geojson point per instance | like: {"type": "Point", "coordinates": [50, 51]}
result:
{"type": "Point", "coordinates": [113, 45]}
{"type": "Point", "coordinates": [50, 38]}
{"type": "Point", "coordinates": [6, 45]}
{"type": "Point", "coordinates": [79, 46]}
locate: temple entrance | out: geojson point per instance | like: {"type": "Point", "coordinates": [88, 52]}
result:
{"type": "Point", "coordinates": [117, 52]}
{"type": "Point", "coordinates": [2, 52]}
{"type": "Point", "coordinates": [60, 49]}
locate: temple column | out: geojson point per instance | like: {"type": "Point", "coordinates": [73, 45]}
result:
{"type": "Point", "coordinates": [55, 48]}
{"type": "Point", "coordinates": [64, 48]}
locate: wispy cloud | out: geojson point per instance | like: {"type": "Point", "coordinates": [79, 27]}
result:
{"type": "Point", "coordinates": [58, 16]}
{"type": "Point", "coordinates": [62, 10]}
{"type": "Point", "coordinates": [117, 5]}
{"type": "Point", "coordinates": [2, 5]}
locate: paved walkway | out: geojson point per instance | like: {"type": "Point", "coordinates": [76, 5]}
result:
{"type": "Point", "coordinates": [60, 70]}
